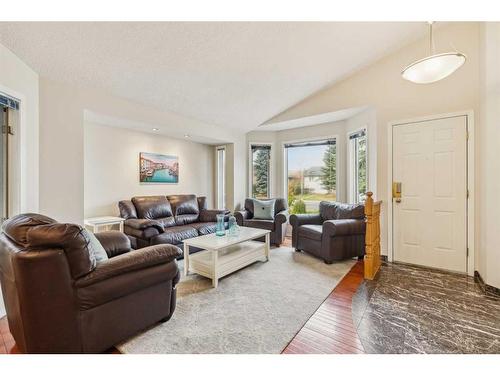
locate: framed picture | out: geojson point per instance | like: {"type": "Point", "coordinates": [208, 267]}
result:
{"type": "Point", "coordinates": [156, 168]}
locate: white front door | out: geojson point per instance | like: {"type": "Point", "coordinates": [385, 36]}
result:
{"type": "Point", "coordinates": [430, 219]}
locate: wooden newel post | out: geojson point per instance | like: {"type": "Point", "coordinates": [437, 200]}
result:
{"type": "Point", "coordinates": [372, 239]}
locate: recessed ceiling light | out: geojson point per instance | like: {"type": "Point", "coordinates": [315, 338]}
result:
{"type": "Point", "coordinates": [186, 135]}
{"type": "Point", "coordinates": [155, 129]}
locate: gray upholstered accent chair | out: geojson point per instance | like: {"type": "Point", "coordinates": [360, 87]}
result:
{"type": "Point", "coordinates": [337, 232]}
{"type": "Point", "coordinates": [277, 226]}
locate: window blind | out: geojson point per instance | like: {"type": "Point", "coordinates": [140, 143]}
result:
{"type": "Point", "coordinates": [9, 102]}
{"type": "Point", "coordinates": [323, 142]}
{"type": "Point", "coordinates": [359, 134]}
{"type": "Point", "coordinates": [261, 147]}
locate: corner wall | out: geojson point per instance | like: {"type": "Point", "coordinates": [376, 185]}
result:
{"type": "Point", "coordinates": [488, 156]}
{"type": "Point", "coordinates": [111, 161]}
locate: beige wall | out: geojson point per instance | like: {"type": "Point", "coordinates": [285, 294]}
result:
{"type": "Point", "coordinates": [21, 82]}
{"type": "Point", "coordinates": [111, 162]}
{"type": "Point", "coordinates": [488, 158]}
{"type": "Point", "coordinates": [381, 87]}
{"type": "Point", "coordinates": [62, 142]}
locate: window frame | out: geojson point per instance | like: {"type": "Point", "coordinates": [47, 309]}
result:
{"type": "Point", "coordinates": [340, 170]}
{"type": "Point", "coordinates": [271, 168]}
{"type": "Point", "coordinates": [352, 163]}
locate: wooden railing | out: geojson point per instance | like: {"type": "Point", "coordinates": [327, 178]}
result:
{"type": "Point", "coordinates": [372, 240]}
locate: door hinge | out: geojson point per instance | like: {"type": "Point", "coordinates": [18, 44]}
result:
{"type": "Point", "coordinates": [7, 130]}
{"type": "Point", "coordinates": [467, 193]}
{"type": "Point", "coordinates": [467, 135]}
{"type": "Point", "coordinates": [467, 252]}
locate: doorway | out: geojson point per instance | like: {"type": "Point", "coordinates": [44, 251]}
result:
{"type": "Point", "coordinates": [429, 204]}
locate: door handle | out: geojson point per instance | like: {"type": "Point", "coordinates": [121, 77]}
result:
{"type": "Point", "coordinates": [396, 191]}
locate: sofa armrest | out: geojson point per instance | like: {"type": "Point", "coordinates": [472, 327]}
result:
{"type": "Point", "coordinates": [241, 216]}
{"type": "Point", "coordinates": [296, 220]}
{"type": "Point", "coordinates": [129, 262]}
{"type": "Point", "coordinates": [281, 217]}
{"type": "Point", "coordinates": [211, 215]}
{"type": "Point", "coordinates": [345, 227]}
{"type": "Point", "coordinates": [141, 224]}
{"type": "Point", "coordinates": [115, 243]}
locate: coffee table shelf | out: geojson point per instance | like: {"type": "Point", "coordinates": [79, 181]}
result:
{"type": "Point", "coordinates": [225, 255]}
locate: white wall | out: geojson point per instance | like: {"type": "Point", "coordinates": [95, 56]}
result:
{"type": "Point", "coordinates": [488, 158]}
{"type": "Point", "coordinates": [21, 82]}
{"type": "Point", "coordinates": [62, 110]}
{"type": "Point", "coordinates": [111, 162]}
{"type": "Point", "coordinates": [381, 87]}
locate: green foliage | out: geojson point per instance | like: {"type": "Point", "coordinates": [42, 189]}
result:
{"type": "Point", "coordinates": [261, 173]}
{"type": "Point", "coordinates": [329, 169]}
{"type": "Point", "coordinates": [362, 168]}
{"type": "Point", "coordinates": [298, 207]}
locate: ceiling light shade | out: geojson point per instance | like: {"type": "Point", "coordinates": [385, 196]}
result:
{"type": "Point", "coordinates": [434, 67]}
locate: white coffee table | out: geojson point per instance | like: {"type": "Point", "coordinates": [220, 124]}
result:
{"type": "Point", "coordinates": [226, 254]}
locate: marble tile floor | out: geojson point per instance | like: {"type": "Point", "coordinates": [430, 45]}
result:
{"type": "Point", "coordinates": [410, 309]}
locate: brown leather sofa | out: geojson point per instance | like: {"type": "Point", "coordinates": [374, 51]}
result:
{"type": "Point", "coordinates": [336, 233]}
{"type": "Point", "coordinates": [277, 226]}
{"type": "Point", "coordinates": [153, 220]}
{"type": "Point", "coordinates": [59, 300]}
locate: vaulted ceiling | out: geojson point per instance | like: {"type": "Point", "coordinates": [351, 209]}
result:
{"type": "Point", "coordinates": [231, 74]}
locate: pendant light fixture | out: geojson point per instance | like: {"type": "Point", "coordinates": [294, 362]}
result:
{"type": "Point", "coordinates": [434, 67]}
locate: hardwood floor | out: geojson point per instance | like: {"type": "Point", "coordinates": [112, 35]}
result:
{"type": "Point", "coordinates": [331, 329]}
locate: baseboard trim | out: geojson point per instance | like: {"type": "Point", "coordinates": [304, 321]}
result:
{"type": "Point", "coordinates": [488, 289]}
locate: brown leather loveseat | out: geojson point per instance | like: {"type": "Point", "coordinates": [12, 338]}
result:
{"type": "Point", "coordinates": [60, 300]}
{"type": "Point", "coordinates": [171, 219]}
{"type": "Point", "coordinates": [336, 233]}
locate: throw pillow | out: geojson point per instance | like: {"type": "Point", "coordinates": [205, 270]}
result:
{"type": "Point", "coordinates": [263, 209]}
{"type": "Point", "coordinates": [97, 248]}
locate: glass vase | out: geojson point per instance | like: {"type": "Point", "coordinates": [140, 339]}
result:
{"type": "Point", "coordinates": [219, 229]}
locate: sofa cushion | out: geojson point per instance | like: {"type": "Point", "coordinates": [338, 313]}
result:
{"type": "Point", "coordinates": [154, 208]}
{"type": "Point", "coordinates": [280, 204]}
{"type": "Point", "coordinates": [175, 235]}
{"type": "Point", "coordinates": [185, 208]}
{"type": "Point", "coordinates": [204, 228]}
{"type": "Point", "coordinates": [350, 211]}
{"type": "Point", "coordinates": [313, 232]}
{"type": "Point", "coordinates": [263, 209]}
{"type": "Point", "coordinates": [259, 223]}
{"type": "Point", "coordinates": [100, 254]}
{"type": "Point", "coordinates": [339, 211]}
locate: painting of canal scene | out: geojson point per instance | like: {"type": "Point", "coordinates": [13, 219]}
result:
{"type": "Point", "coordinates": [156, 168]}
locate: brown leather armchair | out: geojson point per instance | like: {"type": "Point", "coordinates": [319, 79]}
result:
{"type": "Point", "coordinates": [277, 226]}
{"type": "Point", "coordinates": [336, 233]}
{"type": "Point", "coordinates": [60, 300]}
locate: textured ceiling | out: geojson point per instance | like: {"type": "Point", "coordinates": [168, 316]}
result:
{"type": "Point", "coordinates": [231, 74]}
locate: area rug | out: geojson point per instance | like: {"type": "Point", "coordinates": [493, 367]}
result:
{"type": "Point", "coordinates": [258, 309]}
